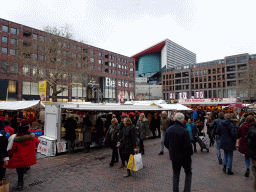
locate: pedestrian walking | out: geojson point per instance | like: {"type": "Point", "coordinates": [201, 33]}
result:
{"type": "Point", "coordinates": [193, 133]}
{"type": "Point", "coordinates": [21, 149]}
{"type": "Point", "coordinates": [111, 139]}
{"type": "Point", "coordinates": [3, 151]}
{"type": "Point", "coordinates": [195, 114]}
{"type": "Point", "coordinates": [164, 122]}
{"type": "Point", "coordinates": [243, 147]}
{"type": "Point", "coordinates": [128, 142]}
{"type": "Point", "coordinates": [227, 131]}
{"type": "Point", "coordinates": [178, 142]}
{"type": "Point", "coordinates": [216, 124]}
{"type": "Point", "coordinates": [99, 127]}
{"type": "Point", "coordinates": [121, 128]}
{"type": "Point", "coordinates": [87, 133]}
{"type": "Point", "coordinates": [210, 130]}
{"type": "Point", "coordinates": [155, 125]}
{"type": "Point", "coordinates": [142, 131]}
{"type": "Point", "coordinates": [70, 126]}
{"type": "Point", "coordinates": [251, 142]}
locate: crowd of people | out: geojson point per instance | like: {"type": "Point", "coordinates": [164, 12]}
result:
{"type": "Point", "coordinates": [125, 133]}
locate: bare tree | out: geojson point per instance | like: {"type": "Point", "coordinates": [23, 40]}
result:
{"type": "Point", "coordinates": [246, 87]}
{"type": "Point", "coordinates": [56, 58]}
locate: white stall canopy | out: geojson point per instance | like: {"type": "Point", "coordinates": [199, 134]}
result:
{"type": "Point", "coordinates": [19, 105]}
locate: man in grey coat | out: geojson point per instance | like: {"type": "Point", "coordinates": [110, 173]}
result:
{"type": "Point", "coordinates": [143, 131]}
{"type": "Point", "coordinates": [164, 122]}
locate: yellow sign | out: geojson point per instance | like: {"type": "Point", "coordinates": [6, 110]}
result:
{"type": "Point", "coordinates": [42, 90]}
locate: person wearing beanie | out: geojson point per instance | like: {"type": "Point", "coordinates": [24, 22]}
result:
{"type": "Point", "coordinates": [21, 149]}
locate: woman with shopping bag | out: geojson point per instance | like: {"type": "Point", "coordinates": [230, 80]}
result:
{"type": "Point", "coordinates": [128, 142]}
{"type": "Point", "coordinates": [142, 131]}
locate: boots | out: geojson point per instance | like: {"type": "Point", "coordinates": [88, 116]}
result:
{"type": "Point", "coordinates": [230, 172]}
{"type": "Point", "coordinates": [19, 186]}
{"type": "Point", "coordinates": [128, 173]}
{"type": "Point", "coordinates": [224, 168]}
{"type": "Point", "coordinates": [247, 173]}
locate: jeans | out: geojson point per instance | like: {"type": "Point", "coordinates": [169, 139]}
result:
{"type": "Point", "coordinates": [247, 161]}
{"type": "Point", "coordinates": [162, 140]}
{"type": "Point", "coordinates": [100, 142]}
{"type": "Point", "coordinates": [218, 153]}
{"type": "Point", "coordinates": [114, 155]}
{"type": "Point", "coordinates": [71, 145]}
{"type": "Point", "coordinates": [253, 167]}
{"type": "Point", "coordinates": [176, 166]}
{"type": "Point", "coordinates": [228, 159]}
{"type": "Point", "coordinates": [20, 172]}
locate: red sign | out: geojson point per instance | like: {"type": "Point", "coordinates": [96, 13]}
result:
{"type": "Point", "coordinates": [122, 97]}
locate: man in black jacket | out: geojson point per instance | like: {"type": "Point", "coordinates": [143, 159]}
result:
{"type": "Point", "coordinates": [177, 141]}
{"type": "Point", "coordinates": [3, 152]}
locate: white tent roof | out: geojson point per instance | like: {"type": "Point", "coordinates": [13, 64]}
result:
{"type": "Point", "coordinates": [118, 107]}
{"type": "Point", "coordinates": [18, 105]}
{"type": "Point", "coordinates": [148, 102]}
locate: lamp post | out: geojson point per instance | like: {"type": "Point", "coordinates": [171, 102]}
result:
{"type": "Point", "coordinates": [95, 86]}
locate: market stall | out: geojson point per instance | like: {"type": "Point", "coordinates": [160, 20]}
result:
{"type": "Point", "coordinates": [53, 140]}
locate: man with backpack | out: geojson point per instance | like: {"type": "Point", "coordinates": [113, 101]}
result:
{"type": "Point", "coordinates": [251, 142]}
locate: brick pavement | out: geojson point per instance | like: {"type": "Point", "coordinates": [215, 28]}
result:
{"type": "Point", "coordinates": [91, 172]}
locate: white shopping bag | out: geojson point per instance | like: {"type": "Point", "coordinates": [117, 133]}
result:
{"type": "Point", "coordinates": [137, 162]}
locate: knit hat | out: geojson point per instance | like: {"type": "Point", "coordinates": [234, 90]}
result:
{"type": "Point", "coordinates": [24, 122]}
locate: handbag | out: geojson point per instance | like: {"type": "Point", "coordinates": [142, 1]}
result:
{"type": "Point", "coordinates": [135, 162]}
{"type": "Point", "coordinates": [4, 186]}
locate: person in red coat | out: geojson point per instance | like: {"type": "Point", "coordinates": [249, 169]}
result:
{"type": "Point", "coordinates": [7, 128]}
{"type": "Point", "coordinates": [243, 147]}
{"type": "Point", "coordinates": [21, 150]}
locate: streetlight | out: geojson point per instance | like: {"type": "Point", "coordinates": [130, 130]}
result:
{"type": "Point", "coordinates": [95, 86]}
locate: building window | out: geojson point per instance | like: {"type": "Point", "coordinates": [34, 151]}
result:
{"type": "Point", "coordinates": [65, 45]}
{"type": "Point", "coordinates": [100, 68]}
{"type": "Point", "coordinates": [35, 56]}
{"type": "Point", "coordinates": [34, 71]}
{"type": "Point", "coordinates": [4, 50]}
{"type": "Point", "coordinates": [77, 90]}
{"type": "Point", "coordinates": [74, 47]}
{"type": "Point", "coordinates": [14, 68]}
{"type": "Point", "coordinates": [4, 39]}
{"type": "Point", "coordinates": [26, 70]}
{"type": "Point", "coordinates": [205, 72]}
{"type": "Point", "coordinates": [92, 52]}
{"type": "Point", "coordinates": [42, 57]}
{"type": "Point", "coordinates": [4, 67]}
{"type": "Point", "coordinates": [14, 31]}
{"type": "Point", "coordinates": [241, 59]}
{"type": "Point", "coordinates": [35, 36]}
{"type": "Point", "coordinates": [12, 86]}
{"type": "Point", "coordinates": [100, 54]}
{"type": "Point", "coordinates": [119, 66]}
{"type": "Point", "coordinates": [100, 61]}
{"type": "Point", "coordinates": [30, 88]}
{"type": "Point", "coordinates": [213, 71]}
{"type": "Point", "coordinates": [131, 69]}
{"type": "Point", "coordinates": [230, 60]}
{"type": "Point", "coordinates": [196, 73]}
{"type": "Point", "coordinates": [14, 41]}
{"type": "Point", "coordinates": [13, 52]}
{"type": "Point", "coordinates": [218, 70]}
{"type": "Point", "coordinates": [131, 85]}
{"type": "Point", "coordinates": [5, 28]}
{"type": "Point", "coordinates": [92, 59]}
{"type": "Point", "coordinates": [200, 72]}
{"type": "Point", "coordinates": [42, 38]}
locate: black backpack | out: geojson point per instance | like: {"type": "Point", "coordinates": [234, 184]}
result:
{"type": "Point", "coordinates": [251, 141]}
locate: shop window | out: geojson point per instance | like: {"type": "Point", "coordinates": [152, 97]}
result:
{"type": "Point", "coordinates": [12, 86]}
{"type": "Point", "coordinates": [30, 88]}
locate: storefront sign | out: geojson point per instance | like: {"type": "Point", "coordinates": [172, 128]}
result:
{"type": "Point", "coordinates": [185, 95]}
{"type": "Point", "coordinates": [110, 82]}
{"type": "Point", "coordinates": [42, 90]}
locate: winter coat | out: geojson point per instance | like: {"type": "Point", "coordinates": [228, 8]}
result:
{"type": "Point", "coordinates": [154, 123]}
{"type": "Point", "coordinates": [22, 153]}
{"type": "Point", "coordinates": [70, 126]}
{"type": "Point", "coordinates": [227, 132]}
{"type": "Point", "coordinates": [3, 147]}
{"type": "Point", "coordinates": [87, 130]}
{"type": "Point", "coordinates": [9, 129]}
{"type": "Point", "coordinates": [142, 128]}
{"type": "Point", "coordinates": [189, 128]}
{"type": "Point", "coordinates": [195, 115]}
{"type": "Point", "coordinates": [112, 135]}
{"type": "Point", "coordinates": [164, 122]}
{"type": "Point", "coordinates": [215, 124]}
{"type": "Point", "coordinates": [241, 133]}
{"type": "Point", "coordinates": [99, 128]}
{"type": "Point", "coordinates": [128, 139]}
{"type": "Point", "coordinates": [194, 131]}
{"type": "Point", "coordinates": [178, 142]}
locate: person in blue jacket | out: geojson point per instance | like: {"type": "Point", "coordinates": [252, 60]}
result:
{"type": "Point", "coordinates": [195, 114]}
{"type": "Point", "coordinates": [193, 133]}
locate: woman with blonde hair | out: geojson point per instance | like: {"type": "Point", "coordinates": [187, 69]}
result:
{"type": "Point", "coordinates": [142, 131]}
{"type": "Point", "coordinates": [128, 142]}
{"type": "Point", "coordinates": [111, 139]}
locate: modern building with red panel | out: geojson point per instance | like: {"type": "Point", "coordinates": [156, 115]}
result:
{"type": "Point", "coordinates": [115, 72]}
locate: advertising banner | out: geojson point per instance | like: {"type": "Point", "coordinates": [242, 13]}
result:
{"type": "Point", "coordinates": [185, 95]}
{"type": "Point", "coordinates": [42, 90]}
{"type": "Point", "coordinates": [201, 94]}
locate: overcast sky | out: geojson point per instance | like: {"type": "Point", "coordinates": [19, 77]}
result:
{"type": "Point", "coordinates": [211, 29]}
